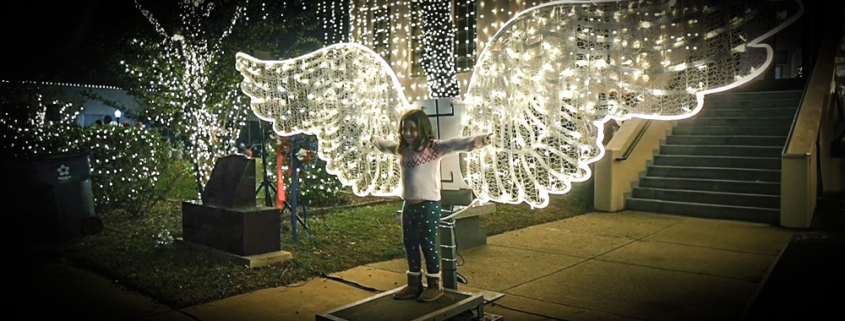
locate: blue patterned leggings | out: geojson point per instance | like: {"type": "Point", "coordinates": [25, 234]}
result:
{"type": "Point", "coordinates": [419, 230]}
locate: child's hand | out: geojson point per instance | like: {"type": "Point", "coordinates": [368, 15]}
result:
{"type": "Point", "coordinates": [484, 141]}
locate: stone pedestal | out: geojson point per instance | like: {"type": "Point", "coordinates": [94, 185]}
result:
{"type": "Point", "coordinates": [226, 223]}
{"type": "Point", "coordinates": [241, 231]}
{"type": "Point", "coordinates": [468, 232]}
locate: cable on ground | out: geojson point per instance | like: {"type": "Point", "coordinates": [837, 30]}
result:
{"type": "Point", "coordinates": [493, 304]}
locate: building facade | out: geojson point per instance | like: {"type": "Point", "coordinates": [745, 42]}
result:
{"type": "Point", "coordinates": [393, 29]}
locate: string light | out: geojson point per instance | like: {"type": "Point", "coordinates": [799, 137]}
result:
{"type": "Point", "coordinates": [210, 116]}
{"type": "Point", "coordinates": [544, 84]}
{"type": "Point", "coordinates": [63, 84]}
{"type": "Point", "coordinates": [552, 75]}
{"type": "Point", "coordinates": [412, 53]}
{"type": "Point", "coordinates": [116, 151]}
{"type": "Point", "coordinates": [307, 95]}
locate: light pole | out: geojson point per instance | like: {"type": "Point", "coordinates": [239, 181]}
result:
{"type": "Point", "coordinates": [117, 116]}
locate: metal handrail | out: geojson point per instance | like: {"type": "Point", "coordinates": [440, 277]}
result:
{"type": "Point", "coordinates": [636, 140]}
{"type": "Point", "coordinates": [817, 86]}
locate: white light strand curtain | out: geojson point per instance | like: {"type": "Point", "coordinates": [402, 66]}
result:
{"type": "Point", "coordinates": [345, 95]}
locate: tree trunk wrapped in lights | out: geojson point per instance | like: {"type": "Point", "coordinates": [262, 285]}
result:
{"type": "Point", "coordinates": [179, 88]}
{"type": "Point", "coordinates": [438, 51]}
{"type": "Point", "coordinates": [183, 80]}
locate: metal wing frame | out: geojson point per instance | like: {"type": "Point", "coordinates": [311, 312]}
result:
{"type": "Point", "coordinates": [346, 95]}
{"type": "Point", "coordinates": [551, 76]}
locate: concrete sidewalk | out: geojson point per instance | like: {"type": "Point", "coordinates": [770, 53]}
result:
{"type": "Point", "coordinates": [597, 266]}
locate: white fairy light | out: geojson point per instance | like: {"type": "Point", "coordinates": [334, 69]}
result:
{"type": "Point", "coordinates": [36, 136]}
{"type": "Point", "coordinates": [211, 126]}
{"type": "Point", "coordinates": [544, 84]}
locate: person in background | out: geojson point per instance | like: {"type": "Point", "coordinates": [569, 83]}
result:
{"type": "Point", "coordinates": [245, 150]}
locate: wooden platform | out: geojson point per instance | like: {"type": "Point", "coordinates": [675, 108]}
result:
{"type": "Point", "coordinates": [383, 307]}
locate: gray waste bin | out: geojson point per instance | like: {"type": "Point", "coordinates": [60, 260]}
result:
{"type": "Point", "coordinates": [64, 180]}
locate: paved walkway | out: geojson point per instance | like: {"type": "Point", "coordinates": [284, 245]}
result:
{"type": "Point", "coordinates": [597, 266]}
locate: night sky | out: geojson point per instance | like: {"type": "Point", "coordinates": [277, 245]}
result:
{"type": "Point", "coordinates": [51, 40]}
{"type": "Point", "coordinates": [57, 41]}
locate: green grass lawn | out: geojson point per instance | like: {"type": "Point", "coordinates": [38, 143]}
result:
{"type": "Point", "coordinates": [140, 252]}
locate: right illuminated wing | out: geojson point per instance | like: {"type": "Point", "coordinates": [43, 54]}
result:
{"type": "Point", "coordinates": [550, 77]}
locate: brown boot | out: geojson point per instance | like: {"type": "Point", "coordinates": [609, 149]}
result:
{"type": "Point", "coordinates": [434, 290]}
{"type": "Point", "coordinates": [413, 289]}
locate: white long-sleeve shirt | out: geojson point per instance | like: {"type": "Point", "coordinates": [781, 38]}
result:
{"type": "Point", "coordinates": [421, 169]}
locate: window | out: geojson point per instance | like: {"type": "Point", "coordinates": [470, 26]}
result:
{"type": "Point", "coordinates": [381, 26]}
{"type": "Point", "coordinates": [416, 39]}
{"type": "Point", "coordinates": [464, 34]}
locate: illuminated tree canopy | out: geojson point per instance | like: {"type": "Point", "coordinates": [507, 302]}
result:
{"type": "Point", "coordinates": [181, 73]}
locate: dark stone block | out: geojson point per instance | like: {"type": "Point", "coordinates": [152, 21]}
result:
{"type": "Point", "coordinates": [468, 233]}
{"type": "Point", "coordinates": [460, 197]}
{"type": "Point", "coordinates": [232, 183]}
{"type": "Point", "coordinates": [244, 231]}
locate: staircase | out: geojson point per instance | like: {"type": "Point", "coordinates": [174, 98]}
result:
{"type": "Point", "coordinates": [724, 163]}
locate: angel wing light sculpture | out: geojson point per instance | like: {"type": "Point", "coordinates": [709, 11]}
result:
{"type": "Point", "coordinates": [543, 85]}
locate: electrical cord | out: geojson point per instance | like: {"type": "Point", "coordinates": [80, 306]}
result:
{"type": "Point", "coordinates": [347, 282]}
{"type": "Point", "coordinates": [461, 279]}
{"type": "Point", "coordinates": [461, 263]}
{"type": "Point", "coordinates": [288, 285]}
{"type": "Point", "coordinates": [493, 304]}
{"type": "Point", "coordinates": [188, 315]}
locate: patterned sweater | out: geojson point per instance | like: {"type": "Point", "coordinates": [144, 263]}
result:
{"type": "Point", "coordinates": [421, 170]}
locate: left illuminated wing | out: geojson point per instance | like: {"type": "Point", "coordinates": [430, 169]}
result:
{"type": "Point", "coordinates": [345, 94]}
{"type": "Point", "coordinates": [550, 77]}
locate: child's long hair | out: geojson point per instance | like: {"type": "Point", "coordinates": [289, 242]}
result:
{"type": "Point", "coordinates": [418, 117]}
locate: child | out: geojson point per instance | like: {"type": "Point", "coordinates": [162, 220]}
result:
{"type": "Point", "coordinates": [419, 154]}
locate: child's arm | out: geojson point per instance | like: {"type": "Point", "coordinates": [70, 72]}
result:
{"type": "Point", "coordinates": [385, 146]}
{"type": "Point", "coordinates": [463, 144]}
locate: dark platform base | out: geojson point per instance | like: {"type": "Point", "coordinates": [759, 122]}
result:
{"type": "Point", "coordinates": [245, 232]}
{"type": "Point", "coordinates": [383, 307]}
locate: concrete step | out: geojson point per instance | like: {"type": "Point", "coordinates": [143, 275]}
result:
{"type": "Point", "coordinates": [723, 163]}
{"type": "Point", "coordinates": [711, 185]}
{"type": "Point", "coordinates": [731, 130]}
{"type": "Point", "coordinates": [722, 150]}
{"type": "Point", "coordinates": [749, 214]}
{"type": "Point", "coordinates": [757, 95]}
{"type": "Point", "coordinates": [736, 121]}
{"type": "Point", "coordinates": [726, 140]}
{"type": "Point", "coordinates": [687, 196]}
{"type": "Point", "coordinates": [749, 112]}
{"type": "Point", "coordinates": [752, 103]}
{"type": "Point", "coordinates": [740, 174]}
{"type": "Point", "coordinates": [718, 161]}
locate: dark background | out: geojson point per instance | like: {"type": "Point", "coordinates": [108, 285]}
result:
{"type": "Point", "coordinates": [57, 40]}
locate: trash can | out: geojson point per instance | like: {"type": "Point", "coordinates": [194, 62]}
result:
{"type": "Point", "coordinates": [64, 182]}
